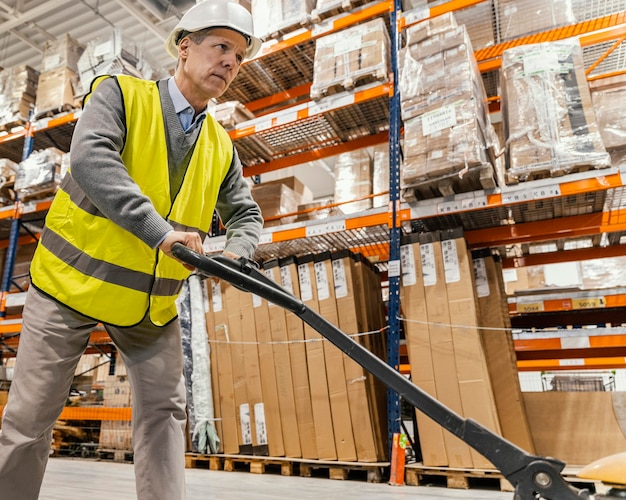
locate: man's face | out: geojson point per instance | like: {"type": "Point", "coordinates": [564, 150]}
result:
{"type": "Point", "coordinates": [208, 67]}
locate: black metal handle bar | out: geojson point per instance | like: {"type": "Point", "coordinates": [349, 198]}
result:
{"type": "Point", "coordinates": [533, 477]}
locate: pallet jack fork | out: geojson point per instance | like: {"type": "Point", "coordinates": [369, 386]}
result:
{"type": "Point", "coordinates": [533, 477]}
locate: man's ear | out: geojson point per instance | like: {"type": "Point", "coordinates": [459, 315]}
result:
{"type": "Point", "coordinates": [183, 47]}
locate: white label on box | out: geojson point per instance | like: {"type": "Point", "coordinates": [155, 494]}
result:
{"type": "Point", "coordinates": [339, 276]}
{"type": "Point", "coordinates": [394, 269]}
{"type": "Point", "coordinates": [205, 296]}
{"type": "Point", "coordinates": [270, 275]}
{"type": "Point", "coordinates": [450, 261]}
{"type": "Point", "coordinates": [51, 62]}
{"type": "Point", "coordinates": [509, 275]}
{"type": "Point", "coordinates": [541, 61]}
{"type": "Point", "coordinates": [246, 425]}
{"type": "Point", "coordinates": [429, 269]}
{"type": "Point", "coordinates": [265, 238]}
{"type": "Point", "coordinates": [259, 420]}
{"type": "Point", "coordinates": [480, 277]}
{"type": "Point", "coordinates": [306, 288]}
{"type": "Point", "coordinates": [285, 279]}
{"type": "Point", "coordinates": [321, 280]}
{"type": "Point", "coordinates": [256, 301]}
{"type": "Point", "coordinates": [214, 245]}
{"type": "Point", "coordinates": [438, 119]}
{"type": "Point", "coordinates": [347, 43]}
{"type": "Point", "coordinates": [407, 260]}
{"type": "Point", "coordinates": [216, 295]}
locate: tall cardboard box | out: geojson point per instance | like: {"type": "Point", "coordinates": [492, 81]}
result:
{"type": "Point", "coordinates": [337, 389]}
{"type": "Point", "coordinates": [362, 408]}
{"type": "Point", "coordinates": [284, 381]}
{"type": "Point", "coordinates": [442, 343]}
{"type": "Point", "coordinates": [316, 364]}
{"type": "Point", "coordinates": [474, 383]}
{"type": "Point", "coordinates": [271, 404]}
{"type": "Point", "coordinates": [500, 351]}
{"type": "Point", "coordinates": [299, 364]}
{"type": "Point", "coordinates": [413, 301]}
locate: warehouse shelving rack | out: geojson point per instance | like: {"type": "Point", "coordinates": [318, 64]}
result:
{"type": "Point", "coordinates": [275, 85]}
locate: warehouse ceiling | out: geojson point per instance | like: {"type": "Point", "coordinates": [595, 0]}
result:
{"type": "Point", "coordinates": [26, 26]}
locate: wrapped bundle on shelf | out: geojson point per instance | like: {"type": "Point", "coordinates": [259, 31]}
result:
{"type": "Point", "coordinates": [522, 17]}
{"type": "Point", "coordinates": [116, 434]}
{"type": "Point", "coordinates": [18, 91]}
{"type": "Point", "coordinates": [317, 210]}
{"type": "Point", "coordinates": [449, 142]}
{"type": "Point", "coordinates": [353, 180]}
{"type": "Point", "coordinates": [39, 174]}
{"type": "Point", "coordinates": [273, 18]}
{"type": "Point", "coordinates": [550, 125]}
{"type": "Point", "coordinates": [328, 8]}
{"type": "Point", "coordinates": [56, 90]}
{"type": "Point", "coordinates": [350, 58]}
{"type": "Point", "coordinates": [380, 175]}
{"type": "Point", "coordinates": [609, 100]}
{"type": "Point", "coordinates": [110, 55]}
{"type": "Point", "coordinates": [230, 113]}
{"type": "Point", "coordinates": [63, 52]}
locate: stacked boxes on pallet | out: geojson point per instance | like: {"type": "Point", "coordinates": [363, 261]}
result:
{"type": "Point", "coordinates": [275, 17]}
{"type": "Point", "coordinates": [58, 81]}
{"type": "Point", "coordinates": [448, 351]}
{"type": "Point", "coordinates": [353, 181]}
{"type": "Point", "coordinates": [609, 100]}
{"type": "Point", "coordinates": [116, 434]}
{"type": "Point", "coordinates": [549, 120]}
{"type": "Point", "coordinates": [447, 131]}
{"type": "Point", "coordinates": [39, 174]}
{"type": "Point", "coordinates": [350, 58]}
{"type": "Point", "coordinates": [283, 391]}
{"type": "Point", "coordinates": [279, 199]}
{"type": "Point", "coordinates": [18, 92]}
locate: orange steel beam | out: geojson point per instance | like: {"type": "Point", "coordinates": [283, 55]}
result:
{"type": "Point", "coordinates": [606, 54]}
{"type": "Point", "coordinates": [576, 255]}
{"type": "Point", "coordinates": [585, 352]}
{"type": "Point", "coordinates": [276, 99]}
{"type": "Point", "coordinates": [571, 304]}
{"type": "Point", "coordinates": [592, 32]}
{"type": "Point", "coordinates": [585, 364]}
{"type": "Point", "coordinates": [437, 10]}
{"type": "Point", "coordinates": [316, 154]}
{"type": "Point", "coordinates": [565, 227]}
{"type": "Point", "coordinates": [95, 413]}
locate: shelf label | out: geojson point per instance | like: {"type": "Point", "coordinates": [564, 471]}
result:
{"type": "Point", "coordinates": [286, 117]}
{"type": "Point", "coordinates": [263, 125]}
{"type": "Point", "coordinates": [306, 288]}
{"type": "Point", "coordinates": [546, 192]}
{"type": "Point", "coordinates": [15, 299]}
{"type": "Point", "coordinates": [447, 207]}
{"type": "Point", "coordinates": [407, 261]}
{"type": "Point", "coordinates": [572, 362]}
{"type": "Point", "coordinates": [213, 246]}
{"type": "Point", "coordinates": [339, 277]}
{"type": "Point", "coordinates": [416, 15]}
{"type": "Point", "coordinates": [328, 103]}
{"type": "Point", "coordinates": [474, 202]}
{"type": "Point", "coordinates": [537, 193]}
{"type": "Point", "coordinates": [328, 227]}
{"type": "Point", "coordinates": [530, 307]}
{"type": "Point", "coordinates": [29, 207]}
{"type": "Point", "coordinates": [429, 269]}
{"type": "Point", "coordinates": [321, 281]}
{"type": "Point", "coordinates": [394, 269]}
{"type": "Point", "coordinates": [517, 196]}
{"type": "Point", "coordinates": [265, 238]}
{"type": "Point", "coordinates": [451, 267]}
{"type": "Point", "coordinates": [589, 303]}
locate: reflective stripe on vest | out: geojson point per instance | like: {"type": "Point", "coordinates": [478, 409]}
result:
{"type": "Point", "coordinates": [103, 271]}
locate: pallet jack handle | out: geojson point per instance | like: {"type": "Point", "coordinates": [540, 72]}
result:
{"type": "Point", "coordinates": [534, 477]}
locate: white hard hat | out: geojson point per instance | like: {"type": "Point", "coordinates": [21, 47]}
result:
{"type": "Point", "coordinates": [215, 14]}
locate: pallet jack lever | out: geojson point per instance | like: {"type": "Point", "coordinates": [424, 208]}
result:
{"type": "Point", "coordinates": [534, 477]}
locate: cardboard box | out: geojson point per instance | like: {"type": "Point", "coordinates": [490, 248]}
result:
{"type": "Point", "coordinates": [116, 393]}
{"type": "Point", "coordinates": [116, 435]}
{"type": "Point", "coordinates": [576, 427]}
{"type": "Point", "coordinates": [209, 319]}
{"type": "Point", "coordinates": [64, 52]}
{"type": "Point", "coordinates": [316, 365]}
{"type": "Point", "coordinates": [299, 371]}
{"type": "Point", "coordinates": [500, 351]}
{"type": "Point", "coordinates": [56, 89]}
{"type": "Point", "coordinates": [282, 365]}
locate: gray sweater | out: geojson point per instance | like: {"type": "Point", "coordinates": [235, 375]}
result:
{"type": "Point", "coordinates": [97, 167]}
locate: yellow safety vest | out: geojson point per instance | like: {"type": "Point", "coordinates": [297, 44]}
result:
{"type": "Point", "coordinates": [95, 267]}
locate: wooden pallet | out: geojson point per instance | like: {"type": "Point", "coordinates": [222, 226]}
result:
{"type": "Point", "coordinates": [57, 110]}
{"type": "Point", "coordinates": [9, 125]}
{"type": "Point", "coordinates": [373, 472]}
{"type": "Point", "coordinates": [375, 74]}
{"type": "Point", "coordinates": [542, 171]}
{"type": "Point", "coordinates": [475, 179]}
{"type": "Point", "coordinates": [126, 456]}
{"type": "Point", "coordinates": [419, 475]}
{"type": "Point", "coordinates": [280, 31]}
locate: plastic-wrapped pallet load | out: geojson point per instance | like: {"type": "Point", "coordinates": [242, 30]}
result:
{"type": "Point", "coordinates": [39, 174]}
{"type": "Point", "coordinates": [18, 91]}
{"type": "Point", "coordinates": [353, 180]}
{"type": "Point", "coordinates": [350, 58]}
{"type": "Point", "coordinates": [609, 100]}
{"type": "Point", "coordinates": [230, 113]}
{"type": "Point", "coordinates": [276, 17]}
{"type": "Point", "coordinates": [522, 17]}
{"type": "Point", "coordinates": [449, 142]}
{"type": "Point", "coordinates": [550, 124]}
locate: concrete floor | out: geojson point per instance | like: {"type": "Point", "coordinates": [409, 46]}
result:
{"type": "Point", "coordinates": [71, 479]}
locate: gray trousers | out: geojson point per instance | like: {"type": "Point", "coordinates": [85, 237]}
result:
{"type": "Point", "coordinates": [52, 340]}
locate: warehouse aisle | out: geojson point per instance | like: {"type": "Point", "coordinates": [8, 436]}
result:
{"type": "Point", "coordinates": [68, 479]}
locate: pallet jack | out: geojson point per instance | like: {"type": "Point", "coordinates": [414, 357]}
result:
{"type": "Point", "coordinates": [533, 477]}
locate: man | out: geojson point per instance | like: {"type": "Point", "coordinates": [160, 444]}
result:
{"type": "Point", "coordinates": [148, 167]}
